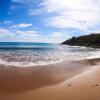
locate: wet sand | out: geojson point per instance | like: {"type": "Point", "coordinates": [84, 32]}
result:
{"type": "Point", "coordinates": [72, 80]}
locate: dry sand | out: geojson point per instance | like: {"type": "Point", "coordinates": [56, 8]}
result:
{"type": "Point", "coordinates": [64, 81]}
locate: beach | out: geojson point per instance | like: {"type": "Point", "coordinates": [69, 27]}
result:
{"type": "Point", "coordinates": [72, 80]}
{"type": "Point", "coordinates": [49, 49]}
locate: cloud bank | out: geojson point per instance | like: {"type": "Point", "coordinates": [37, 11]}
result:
{"type": "Point", "coordinates": [54, 20]}
{"type": "Point", "coordinates": [77, 14]}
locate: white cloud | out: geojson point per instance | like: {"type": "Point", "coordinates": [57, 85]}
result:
{"type": "Point", "coordinates": [35, 12]}
{"type": "Point", "coordinates": [20, 1]}
{"type": "Point", "coordinates": [5, 34]}
{"type": "Point", "coordinates": [4, 31]}
{"type": "Point", "coordinates": [27, 33]}
{"type": "Point", "coordinates": [31, 36]}
{"type": "Point", "coordinates": [7, 22]}
{"type": "Point", "coordinates": [24, 1]}
{"type": "Point", "coordinates": [18, 35]}
{"type": "Point", "coordinates": [82, 15]}
{"type": "Point", "coordinates": [77, 14]}
{"type": "Point", "coordinates": [54, 37]}
{"type": "Point", "coordinates": [22, 25]}
{"type": "Point", "coordinates": [58, 37]}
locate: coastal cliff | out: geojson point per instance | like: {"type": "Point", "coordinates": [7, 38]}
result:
{"type": "Point", "coordinates": [91, 40]}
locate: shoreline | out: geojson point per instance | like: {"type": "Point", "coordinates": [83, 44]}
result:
{"type": "Point", "coordinates": [63, 79]}
{"type": "Point", "coordinates": [18, 79]}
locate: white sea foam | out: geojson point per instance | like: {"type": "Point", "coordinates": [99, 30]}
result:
{"type": "Point", "coordinates": [26, 58]}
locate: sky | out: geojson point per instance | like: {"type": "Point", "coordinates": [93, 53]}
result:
{"type": "Point", "coordinates": [47, 20]}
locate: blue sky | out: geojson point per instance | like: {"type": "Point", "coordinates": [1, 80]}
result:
{"type": "Point", "coordinates": [47, 20]}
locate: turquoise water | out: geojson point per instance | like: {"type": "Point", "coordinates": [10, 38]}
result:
{"type": "Point", "coordinates": [24, 54]}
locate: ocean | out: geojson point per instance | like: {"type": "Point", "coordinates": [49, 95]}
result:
{"type": "Point", "coordinates": [25, 54]}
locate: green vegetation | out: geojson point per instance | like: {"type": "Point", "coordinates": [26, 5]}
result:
{"type": "Point", "coordinates": [92, 40]}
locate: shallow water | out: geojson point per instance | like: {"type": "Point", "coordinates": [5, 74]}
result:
{"type": "Point", "coordinates": [32, 54]}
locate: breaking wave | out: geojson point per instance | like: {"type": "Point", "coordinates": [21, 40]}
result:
{"type": "Point", "coordinates": [43, 55]}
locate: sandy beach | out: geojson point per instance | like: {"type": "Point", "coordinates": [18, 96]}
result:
{"type": "Point", "coordinates": [49, 49]}
{"type": "Point", "coordinates": [70, 80]}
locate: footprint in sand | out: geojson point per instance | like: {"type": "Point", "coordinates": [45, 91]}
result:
{"type": "Point", "coordinates": [69, 85]}
{"type": "Point", "coordinates": [95, 85]}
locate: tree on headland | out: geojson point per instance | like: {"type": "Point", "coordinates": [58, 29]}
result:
{"type": "Point", "coordinates": [91, 40]}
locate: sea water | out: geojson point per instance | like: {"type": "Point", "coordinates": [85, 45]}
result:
{"type": "Point", "coordinates": [25, 54]}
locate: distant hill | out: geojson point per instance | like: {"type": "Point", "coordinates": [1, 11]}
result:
{"type": "Point", "coordinates": [91, 40]}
